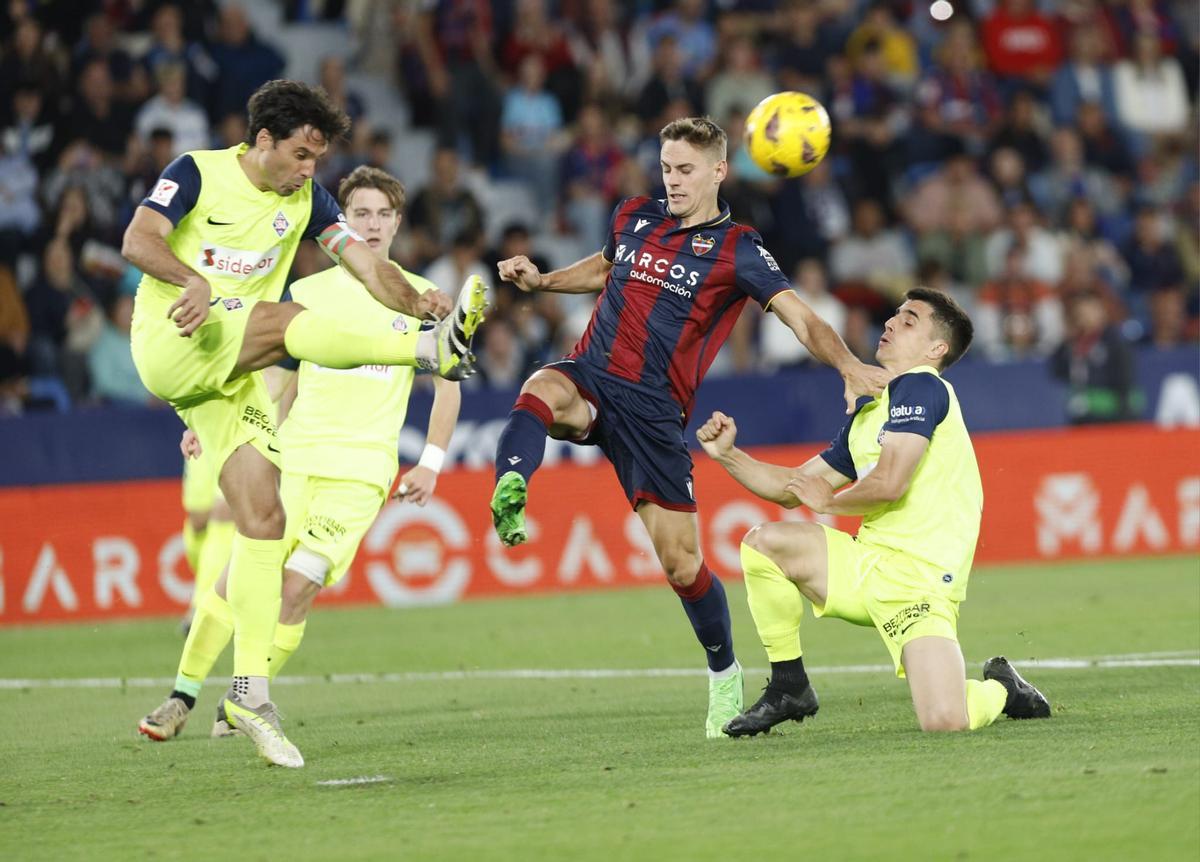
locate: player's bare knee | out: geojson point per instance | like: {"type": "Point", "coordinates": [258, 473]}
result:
{"type": "Point", "coordinates": [198, 520]}
{"type": "Point", "coordinates": [768, 539]}
{"type": "Point", "coordinates": [681, 569]}
{"type": "Point", "coordinates": [945, 720]}
{"type": "Point", "coordinates": [305, 573]}
{"type": "Point", "coordinates": [260, 522]}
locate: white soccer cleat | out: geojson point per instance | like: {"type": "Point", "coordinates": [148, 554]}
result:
{"type": "Point", "coordinates": [221, 727]}
{"type": "Point", "coordinates": [454, 335]}
{"type": "Point", "coordinates": [166, 722]}
{"type": "Point", "coordinates": [261, 724]}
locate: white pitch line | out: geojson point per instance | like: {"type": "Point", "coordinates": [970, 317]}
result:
{"type": "Point", "coordinates": [347, 782]}
{"type": "Point", "coordinates": [1178, 658]}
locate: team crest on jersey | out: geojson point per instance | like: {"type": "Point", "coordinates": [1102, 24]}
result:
{"type": "Point", "coordinates": [400, 324]}
{"type": "Point", "coordinates": [232, 303]}
{"type": "Point", "coordinates": [281, 223]}
{"type": "Point", "coordinates": [702, 244]}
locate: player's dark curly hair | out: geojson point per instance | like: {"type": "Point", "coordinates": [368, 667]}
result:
{"type": "Point", "coordinates": [281, 107]}
{"type": "Point", "coordinates": [953, 324]}
{"type": "Point", "coordinates": [700, 132]}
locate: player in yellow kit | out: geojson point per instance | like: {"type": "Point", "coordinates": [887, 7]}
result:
{"type": "Point", "coordinates": [338, 442]}
{"type": "Point", "coordinates": [215, 238]}
{"type": "Point", "coordinates": [917, 486]}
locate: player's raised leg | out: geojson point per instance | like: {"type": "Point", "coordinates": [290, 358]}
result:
{"type": "Point", "coordinates": [676, 539]}
{"type": "Point", "coordinates": [781, 562]}
{"type": "Point", "coordinates": [549, 405]}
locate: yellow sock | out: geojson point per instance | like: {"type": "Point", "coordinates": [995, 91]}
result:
{"type": "Point", "coordinates": [255, 581]}
{"type": "Point", "coordinates": [212, 626]}
{"type": "Point", "coordinates": [214, 555]}
{"type": "Point", "coordinates": [287, 641]}
{"type": "Point", "coordinates": [193, 542]}
{"type": "Point", "coordinates": [334, 345]}
{"type": "Point", "coordinates": [985, 701]}
{"type": "Point", "coordinates": [775, 604]}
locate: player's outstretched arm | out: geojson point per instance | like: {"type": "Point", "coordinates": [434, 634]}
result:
{"type": "Point", "coordinates": [145, 246]}
{"type": "Point", "coordinates": [884, 485]}
{"type": "Point", "coordinates": [388, 285]}
{"type": "Point", "coordinates": [584, 276]}
{"type": "Point", "coordinates": [418, 484]}
{"type": "Point", "coordinates": [827, 346]}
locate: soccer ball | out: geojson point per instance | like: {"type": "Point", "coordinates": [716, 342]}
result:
{"type": "Point", "coordinates": [787, 134]}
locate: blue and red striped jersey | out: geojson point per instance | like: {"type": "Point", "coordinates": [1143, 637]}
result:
{"type": "Point", "coordinates": [672, 295]}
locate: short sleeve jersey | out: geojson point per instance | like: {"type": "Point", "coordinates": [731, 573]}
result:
{"type": "Point", "coordinates": [345, 422]}
{"type": "Point", "coordinates": [240, 238]}
{"type": "Point", "coordinates": [937, 520]}
{"type": "Point", "coordinates": [672, 296]}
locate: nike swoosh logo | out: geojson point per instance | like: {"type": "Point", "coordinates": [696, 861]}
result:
{"type": "Point", "coordinates": [276, 451]}
{"type": "Point", "coordinates": [219, 223]}
{"type": "Point", "coordinates": [714, 648]}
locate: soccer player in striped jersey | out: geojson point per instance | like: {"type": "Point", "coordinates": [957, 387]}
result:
{"type": "Point", "coordinates": [215, 239]}
{"type": "Point", "coordinates": [338, 441]}
{"type": "Point", "coordinates": [917, 486]}
{"type": "Point", "coordinates": [672, 277]}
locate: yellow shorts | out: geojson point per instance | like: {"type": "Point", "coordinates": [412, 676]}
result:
{"type": "Point", "coordinates": [329, 517]}
{"type": "Point", "coordinates": [193, 375]}
{"type": "Point", "coordinates": [901, 597]}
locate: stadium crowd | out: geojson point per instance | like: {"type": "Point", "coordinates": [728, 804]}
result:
{"type": "Point", "coordinates": [1038, 160]}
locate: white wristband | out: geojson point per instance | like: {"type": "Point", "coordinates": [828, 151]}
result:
{"type": "Point", "coordinates": [432, 458]}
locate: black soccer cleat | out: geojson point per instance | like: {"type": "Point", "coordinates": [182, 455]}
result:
{"type": "Point", "coordinates": [1024, 701]}
{"type": "Point", "coordinates": [774, 707]}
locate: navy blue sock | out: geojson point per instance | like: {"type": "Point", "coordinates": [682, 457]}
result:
{"type": "Point", "coordinates": [522, 443]}
{"type": "Point", "coordinates": [705, 604]}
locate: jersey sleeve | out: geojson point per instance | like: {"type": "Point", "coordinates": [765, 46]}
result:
{"type": "Point", "coordinates": [610, 238]}
{"type": "Point", "coordinates": [325, 212]}
{"type": "Point", "coordinates": [838, 455]}
{"type": "Point", "coordinates": [917, 403]}
{"type": "Point", "coordinates": [177, 189]}
{"type": "Point", "coordinates": [758, 275]}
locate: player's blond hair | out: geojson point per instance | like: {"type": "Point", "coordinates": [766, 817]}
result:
{"type": "Point", "coordinates": [701, 132]}
{"type": "Point", "coordinates": [367, 177]}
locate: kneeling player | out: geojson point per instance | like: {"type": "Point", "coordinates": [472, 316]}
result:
{"type": "Point", "coordinates": [917, 487]}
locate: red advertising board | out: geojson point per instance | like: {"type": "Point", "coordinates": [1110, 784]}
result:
{"type": "Point", "coordinates": [100, 551]}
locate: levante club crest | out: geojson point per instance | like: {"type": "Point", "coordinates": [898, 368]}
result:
{"type": "Point", "coordinates": [702, 244]}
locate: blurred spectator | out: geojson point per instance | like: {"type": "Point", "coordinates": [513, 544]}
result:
{"type": "Point", "coordinates": [231, 130]}
{"type": "Point", "coordinates": [590, 175]}
{"type": "Point", "coordinates": [19, 211]}
{"type": "Point", "coordinates": [613, 65]}
{"type": "Point", "coordinates": [1096, 364]}
{"type": "Point", "coordinates": [332, 77]}
{"type": "Point", "coordinates": [442, 210]}
{"type": "Point", "coordinates": [97, 116]}
{"type": "Point", "coordinates": [951, 212]}
{"type": "Point", "coordinates": [1080, 231]}
{"type": "Point", "coordinates": [1021, 43]}
{"type": "Point", "coordinates": [1164, 171]}
{"type": "Point", "coordinates": [1068, 176]}
{"type": "Point", "coordinates": [778, 345]}
{"type": "Point", "coordinates": [26, 56]}
{"type": "Point", "coordinates": [1041, 254]}
{"type": "Point", "coordinates": [29, 129]}
{"type": "Point", "coordinates": [169, 46]}
{"type": "Point", "coordinates": [740, 84]}
{"type": "Point", "coordinates": [463, 259]}
{"type": "Point", "coordinates": [501, 361]}
{"type": "Point", "coordinates": [455, 51]}
{"type": "Point", "coordinates": [1102, 147]}
{"type": "Point", "coordinates": [531, 132]}
{"type": "Point", "coordinates": [870, 117]}
{"type": "Point", "coordinates": [1151, 94]}
{"type": "Point", "coordinates": [99, 42]}
{"type": "Point", "coordinates": [534, 33]}
{"type": "Point", "coordinates": [687, 26]}
{"type": "Point", "coordinates": [169, 109]}
{"type": "Point", "coordinates": [667, 84]}
{"type": "Point", "coordinates": [804, 47]}
{"type": "Point", "coordinates": [149, 161]}
{"type": "Point", "coordinates": [896, 47]}
{"type": "Point", "coordinates": [1020, 131]}
{"type": "Point", "coordinates": [1154, 263]}
{"type": "Point", "coordinates": [1131, 19]}
{"type": "Point", "coordinates": [244, 62]}
{"type": "Point", "coordinates": [15, 398]}
{"type": "Point", "coordinates": [1006, 170]}
{"type": "Point", "coordinates": [64, 320]}
{"type": "Point", "coordinates": [110, 362]}
{"type": "Point", "coordinates": [103, 185]}
{"type": "Point", "coordinates": [957, 101]}
{"type": "Point", "coordinates": [1084, 79]}
{"type": "Point", "coordinates": [1187, 236]}
{"type": "Point", "coordinates": [1017, 316]}
{"type": "Point", "coordinates": [14, 317]}
{"type": "Point", "coordinates": [872, 256]}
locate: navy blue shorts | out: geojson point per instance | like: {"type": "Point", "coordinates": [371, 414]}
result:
{"type": "Point", "coordinates": [640, 432]}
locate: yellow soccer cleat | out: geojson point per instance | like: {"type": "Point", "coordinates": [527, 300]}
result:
{"type": "Point", "coordinates": [261, 724]}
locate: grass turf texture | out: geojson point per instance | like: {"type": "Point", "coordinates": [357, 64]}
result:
{"type": "Point", "coordinates": [619, 768]}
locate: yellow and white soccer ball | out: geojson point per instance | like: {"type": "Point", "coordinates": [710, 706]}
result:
{"type": "Point", "coordinates": [788, 134]}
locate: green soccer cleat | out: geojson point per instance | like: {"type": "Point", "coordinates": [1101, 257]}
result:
{"type": "Point", "coordinates": [454, 334]}
{"type": "Point", "coordinates": [725, 701]}
{"type": "Point", "coordinates": [166, 722]}
{"type": "Point", "coordinates": [261, 724]}
{"type": "Point", "coordinates": [508, 508]}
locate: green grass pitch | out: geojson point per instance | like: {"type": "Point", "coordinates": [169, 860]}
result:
{"type": "Point", "coordinates": [515, 768]}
